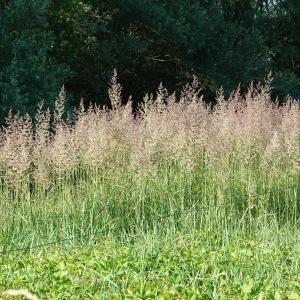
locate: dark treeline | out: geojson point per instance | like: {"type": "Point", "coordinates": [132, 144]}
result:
{"type": "Point", "coordinates": [47, 43]}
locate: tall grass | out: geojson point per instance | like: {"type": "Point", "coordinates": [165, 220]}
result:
{"type": "Point", "coordinates": [173, 166]}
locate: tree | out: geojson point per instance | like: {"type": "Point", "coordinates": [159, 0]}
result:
{"type": "Point", "coordinates": [28, 74]}
{"type": "Point", "coordinates": [282, 27]}
{"type": "Point", "coordinates": [79, 42]}
{"type": "Point", "coordinates": [153, 41]}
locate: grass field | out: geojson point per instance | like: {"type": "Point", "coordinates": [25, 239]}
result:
{"type": "Point", "coordinates": [181, 201]}
{"type": "Point", "coordinates": [190, 266]}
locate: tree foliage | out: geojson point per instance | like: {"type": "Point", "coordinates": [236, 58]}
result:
{"type": "Point", "coordinates": [223, 42]}
{"type": "Point", "coordinates": [28, 72]}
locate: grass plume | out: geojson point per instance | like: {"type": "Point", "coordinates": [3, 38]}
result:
{"type": "Point", "coordinates": [234, 165]}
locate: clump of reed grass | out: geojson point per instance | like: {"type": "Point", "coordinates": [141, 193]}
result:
{"type": "Point", "coordinates": [173, 164]}
{"type": "Point", "coordinates": [246, 130]}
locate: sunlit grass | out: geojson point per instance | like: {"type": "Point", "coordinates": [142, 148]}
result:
{"type": "Point", "coordinates": [179, 200]}
{"type": "Point", "coordinates": [204, 265]}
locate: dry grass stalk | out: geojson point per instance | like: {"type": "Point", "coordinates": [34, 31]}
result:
{"type": "Point", "coordinates": [20, 292]}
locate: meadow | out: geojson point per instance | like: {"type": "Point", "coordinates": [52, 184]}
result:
{"type": "Point", "coordinates": [179, 200]}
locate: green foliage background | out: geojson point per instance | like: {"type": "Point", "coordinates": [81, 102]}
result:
{"type": "Point", "coordinates": [45, 44]}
